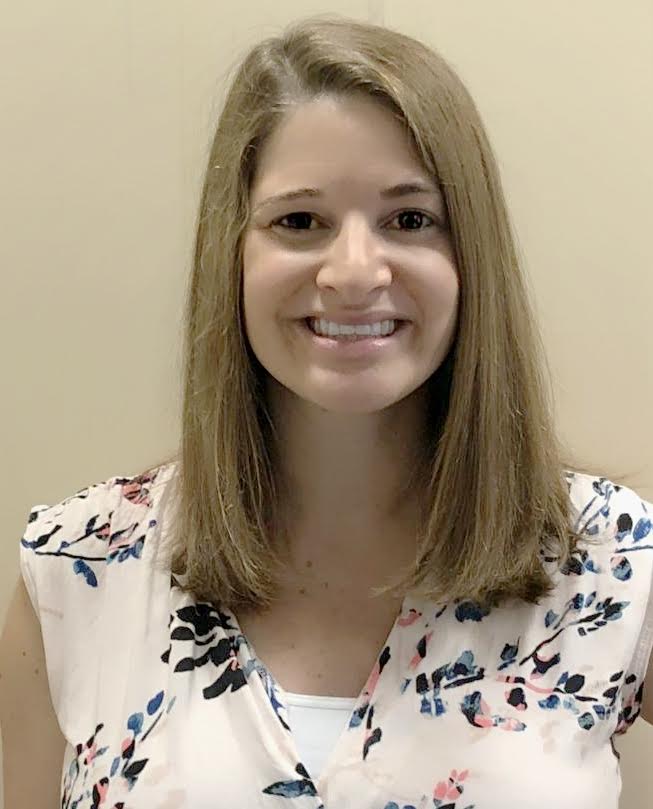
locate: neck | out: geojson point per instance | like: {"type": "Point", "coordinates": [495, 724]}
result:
{"type": "Point", "coordinates": [349, 485]}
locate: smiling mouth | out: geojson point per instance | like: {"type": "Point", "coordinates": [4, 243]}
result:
{"type": "Point", "coordinates": [353, 338]}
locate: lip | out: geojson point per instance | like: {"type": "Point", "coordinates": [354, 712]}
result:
{"type": "Point", "coordinates": [354, 349]}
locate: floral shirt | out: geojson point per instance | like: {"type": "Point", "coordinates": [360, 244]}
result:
{"type": "Point", "coordinates": [164, 703]}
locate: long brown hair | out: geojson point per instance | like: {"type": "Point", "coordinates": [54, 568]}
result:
{"type": "Point", "coordinates": [493, 473]}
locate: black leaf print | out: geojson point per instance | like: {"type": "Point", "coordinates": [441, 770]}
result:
{"type": "Point", "coordinates": [574, 683]}
{"type": "Point", "coordinates": [230, 679]}
{"type": "Point", "coordinates": [185, 664]}
{"type": "Point", "coordinates": [135, 768]}
{"type": "Point", "coordinates": [516, 698]}
{"type": "Point", "coordinates": [97, 795]}
{"type": "Point", "coordinates": [373, 738]}
{"type": "Point", "coordinates": [183, 633]}
{"type": "Point", "coordinates": [203, 619]}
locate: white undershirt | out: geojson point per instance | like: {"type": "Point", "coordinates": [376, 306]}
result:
{"type": "Point", "coordinates": [316, 724]}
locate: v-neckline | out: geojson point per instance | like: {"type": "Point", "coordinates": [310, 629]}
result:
{"type": "Point", "coordinates": [282, 694]}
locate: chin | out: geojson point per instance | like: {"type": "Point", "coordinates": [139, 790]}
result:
{"type": "Point", "coordinates": [353, 401]}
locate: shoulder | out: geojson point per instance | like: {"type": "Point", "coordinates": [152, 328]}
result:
{"type": "Point", "coordinates": [103, 523]}
{"type": "Point", "coordinates": [86, 566]}
{"type": "Point", "coordinates": [620, 557]}
{"type": "Point", "coordinates": [617, 524]}
{"type": "Point", "coordinates": [603, 506]}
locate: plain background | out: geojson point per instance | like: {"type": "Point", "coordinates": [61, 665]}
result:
{"type": "Point", "coordinates": [107, 110]}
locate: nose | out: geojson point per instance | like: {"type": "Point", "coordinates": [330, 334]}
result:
{"type": "Point", "coordinates": [354, 264]}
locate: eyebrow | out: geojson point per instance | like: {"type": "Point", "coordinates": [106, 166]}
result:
{"type": "Point", "coordinates": [399, 190]}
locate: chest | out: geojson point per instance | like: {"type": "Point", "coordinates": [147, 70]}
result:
{"type": "Point", "coordinates": [309, 649]}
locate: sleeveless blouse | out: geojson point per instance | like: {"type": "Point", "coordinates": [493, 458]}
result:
{"type": "Point", "coordinates": [165, 705]}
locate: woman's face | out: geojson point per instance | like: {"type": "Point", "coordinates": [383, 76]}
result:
{"type": "Point", "coordinates": [349, 251]}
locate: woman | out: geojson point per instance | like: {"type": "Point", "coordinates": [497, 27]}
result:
{"type": "Point", "coordinates": [369, 578]}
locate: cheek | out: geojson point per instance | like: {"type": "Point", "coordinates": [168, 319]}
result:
{"type": "Point", "coordinates": [452, 292]}
{"type": "Point", "coordinates": [450, 281]}
{"type": "Point", "coordinates": [263, 304]}
{"type": "Point", "coordinates": [258, 284]}
{"type": "Point", "coordinates": [443, 290]}
{"type": "Point", "coordinates": [255, 268]}
{"type": "Point", "coordinates": [251, 306]}
{"type": "Point", "coordinates": [442, 313]}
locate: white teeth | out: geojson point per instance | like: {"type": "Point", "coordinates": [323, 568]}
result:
{"type": "Point", "coordinates": [329, 329]}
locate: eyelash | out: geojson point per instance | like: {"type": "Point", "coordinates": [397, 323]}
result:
{"type": "Point", "coordinates": [434, 223]}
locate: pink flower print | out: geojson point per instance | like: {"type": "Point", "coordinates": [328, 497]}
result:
{"type": "Point", "coordinates": [479, 714]}
{"type": "Point", "coordinates": [92, 752]}
{"type": "Point", "coordinates": [417, 658]}
{"type": "Point", "coordinates": [136, 491]}
{"type": "Point", "coordinates": [100, 790]}
{"type": "Point", "coordinates": [484, 719]}
{"type": "Point", "coordinates": [127, 743]}
{"type": "Point", "coordinates": [450, 789]}
{"type": "Point", "coordinates": [409, 620]}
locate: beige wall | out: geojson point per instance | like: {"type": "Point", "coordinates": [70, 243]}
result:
{"type": "Point", "coordinates": [106, 111]}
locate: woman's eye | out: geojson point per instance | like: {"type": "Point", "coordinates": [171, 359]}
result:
{"type": "Point", "coordinates": [302, 217]}
{"type": "Point", "coordinates": [410, 217]}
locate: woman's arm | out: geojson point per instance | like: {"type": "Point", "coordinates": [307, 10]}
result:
{"type": "Point", "coordinates": [32, 742]}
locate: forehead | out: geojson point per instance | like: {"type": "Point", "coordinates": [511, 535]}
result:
{"type": "Point", "coordinates": [354, 138]}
